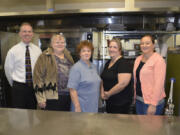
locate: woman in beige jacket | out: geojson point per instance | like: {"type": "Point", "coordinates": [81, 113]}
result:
{"type": "Point", "coordinates": [51, 75]}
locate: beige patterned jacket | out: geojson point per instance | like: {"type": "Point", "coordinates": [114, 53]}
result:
{"type": "Point", "coordinates": [45, 75]}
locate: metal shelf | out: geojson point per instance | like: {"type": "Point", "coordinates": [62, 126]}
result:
{"type": "Point", "coordinates": [141, 32]}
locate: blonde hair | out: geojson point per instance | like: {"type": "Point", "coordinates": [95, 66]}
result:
{"type": "Point", "coordinates": [58, 36]}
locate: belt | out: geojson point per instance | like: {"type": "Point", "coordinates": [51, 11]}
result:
{"type": "Point", "coordinates": [21, 83]}
{"type": "Point", "coordinates": [142, 100]}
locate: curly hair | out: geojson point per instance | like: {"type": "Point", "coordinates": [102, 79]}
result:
{"type": "Point", "coordinates": [84, 43]}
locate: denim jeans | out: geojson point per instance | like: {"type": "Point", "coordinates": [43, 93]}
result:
{"type": "Point", "coordinates": [141, 108]}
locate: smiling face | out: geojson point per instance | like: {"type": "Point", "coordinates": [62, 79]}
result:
{"type": "Point", "coordinates": [114, 50]}
{"type": "Point", "coordinates": [58, 44]}
{"type": "Point", "coordinates": [147, 45]}
{"type": "Point", "coordinates": [26, 33]}
{"type": "Point", "coordinates": [85, 53]}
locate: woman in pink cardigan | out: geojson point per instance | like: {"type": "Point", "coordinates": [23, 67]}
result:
{"type": "Point", "coordinates": [149, 77]}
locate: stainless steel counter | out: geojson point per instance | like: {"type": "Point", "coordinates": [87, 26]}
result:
{"type": "Point", "coordinates": [38, 122]}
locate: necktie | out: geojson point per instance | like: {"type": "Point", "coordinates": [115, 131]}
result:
{"type": "Point", "coordinates": [28, 67]}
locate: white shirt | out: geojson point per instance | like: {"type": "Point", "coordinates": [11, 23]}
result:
{"type": "Point", "coordinates": [15, 61]}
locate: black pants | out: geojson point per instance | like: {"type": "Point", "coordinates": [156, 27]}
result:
{"type": "Point", "coordinates": [114, 108]}
{"type": "Point", "coordinates": [23, 96]}
{"type": "Point", "coordinates": [62, 104]}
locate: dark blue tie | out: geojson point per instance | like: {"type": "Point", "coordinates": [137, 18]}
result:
{"type": "Point", "coordinates": [28, 67]}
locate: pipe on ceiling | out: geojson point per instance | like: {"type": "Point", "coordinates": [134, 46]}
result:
{"type": "Point", "coordinates": [50, 5]}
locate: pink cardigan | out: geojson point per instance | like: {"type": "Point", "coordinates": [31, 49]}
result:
{"type": "Point", "coordinates": [152, 77]}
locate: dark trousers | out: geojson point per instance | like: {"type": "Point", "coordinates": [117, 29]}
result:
{"type": "Point", "coordinates": [23, 96]}
{"type": "Point", "coordinates": [62, 104]}
{"type": "Point", "coordinates": [113, 108]}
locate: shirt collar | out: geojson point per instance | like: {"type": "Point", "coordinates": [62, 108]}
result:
{"type": "Point", "coordinates": [23, 44]}
{"type": "Point", "coordinates": [81, 61]}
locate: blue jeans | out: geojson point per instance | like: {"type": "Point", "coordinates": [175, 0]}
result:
{"type": "Point", "coordinates": [141, 108]}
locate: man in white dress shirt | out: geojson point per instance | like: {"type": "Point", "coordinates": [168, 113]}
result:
{"type": "Point", "coordinates": [23, 95]}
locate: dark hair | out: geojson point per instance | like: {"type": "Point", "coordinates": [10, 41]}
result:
{"type": "Point", "coordinates": [84, 43]}
{"type": "Point", "coordinates": [151, 37]}
{"type": "Point", "coordinates": [118, 42]}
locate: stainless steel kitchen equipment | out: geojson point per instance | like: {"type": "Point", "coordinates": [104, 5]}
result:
{"type": "Point", "coordinates": [39, 122]}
